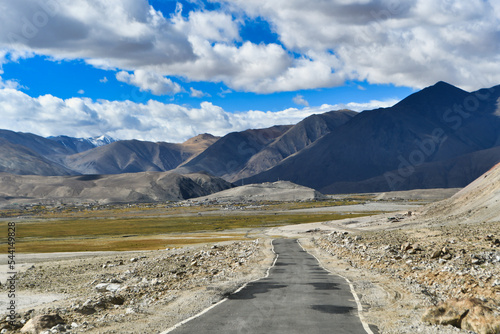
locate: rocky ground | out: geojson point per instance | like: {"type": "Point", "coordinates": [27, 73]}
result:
{"type": "Point", "coordinates": [410, 279]}
{"type": "Point", "coordinates": [144, 293]}
{"type": "Point", "coordinates": [453, 267]}
{"type": "Point", "coordinates": [413, 272]}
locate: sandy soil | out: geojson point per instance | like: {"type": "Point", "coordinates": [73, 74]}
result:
{"type": "Point", "coordinates": [367, 207]}
{"type": "Point", "coordinates": [140, 292]}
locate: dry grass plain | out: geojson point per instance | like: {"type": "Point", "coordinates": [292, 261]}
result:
{"type": "Point", "coordinates": [149, 227]}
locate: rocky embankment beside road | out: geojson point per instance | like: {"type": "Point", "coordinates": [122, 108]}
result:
{"type": "Point", "coordinates": [146, 293]}
{"type": "Point", "coordinates": [455, 268]}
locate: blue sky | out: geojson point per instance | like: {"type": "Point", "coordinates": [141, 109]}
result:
{"type": "Point", "coordinates": [167, 70]}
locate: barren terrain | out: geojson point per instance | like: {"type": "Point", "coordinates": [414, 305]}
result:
{"type": "Point", "coordinates": [401, 264]}
{"type": "Point", "coordinates": [144, 292]}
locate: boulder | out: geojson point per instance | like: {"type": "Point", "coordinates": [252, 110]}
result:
{"type": "Point", "coordinates": [111, 287]}
{"type": "Point", "coordinates": [406, 246]}
{"type": "Point", "coordinates": [435, 254]}
{"type": "Point", "coordinates": [41, 322]}
{"type": "Point", "coordinates": [470, 314]}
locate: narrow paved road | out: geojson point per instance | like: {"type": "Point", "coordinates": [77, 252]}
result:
{"type": "Point", "coordinates": [298, 296]}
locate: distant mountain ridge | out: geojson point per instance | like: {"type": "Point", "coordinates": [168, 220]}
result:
{"type": "Point", "coordinates": [441, 136]}
{"type": "Point", "coordinates": [29, 154]}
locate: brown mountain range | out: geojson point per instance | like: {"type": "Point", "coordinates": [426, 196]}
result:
{"type": "Point", "coordinates": [441, 136]}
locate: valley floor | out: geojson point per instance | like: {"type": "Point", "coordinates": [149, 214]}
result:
{"type": "Point", "coordinates": [399, 267]}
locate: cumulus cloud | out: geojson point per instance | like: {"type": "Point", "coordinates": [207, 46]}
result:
{"type": "Point", "coordinates": [155, 121]}
{"type": "Point", "coordinates": [406, 43]}
{"type": "Point", "coordinates": [197, 93]}
{"type": "Point", "coordinates": [122, 34]}
{"type": "Point", "coordinates": [149, 81]}
{"type": "Point", "coordinates": [361, 106]}
{"type": "Point", "coordinates": [411, 43]}
{"type": "Point", "coordinates": [299, 99]}
{"type": "Point", "coordinates": [13, 84]}
{"type": "Point", "coordinates": [210, 26]}
{"type": "Point", "coordinates": [133, 36]}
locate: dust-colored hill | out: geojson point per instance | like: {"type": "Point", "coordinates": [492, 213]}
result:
{"type": "Point", "coordinates": [478, 202]}
{"type": "Point", "coordinates": [439, 123]}
{"type": "Point", "coordinates": [198, 144]}
{"type": "Point", "coordinates": [275, 191]}
{"type": "Point", "coordinates": [137, 187]}
{"type": "Point", "coordinates": [295, 139]}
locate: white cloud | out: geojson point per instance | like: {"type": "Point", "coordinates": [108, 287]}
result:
{"type": "Point", "coordinates": [299, 99]}
{"type": "Point", "coordinates": [132, 36]}
{"type": "Point", "coordinates": [13, 84]}
{"type": "Point", "coordinates": [122, 34]}
{"type": "Point", "coordinates": [197, 93]}
{"type": "Point", "coordinates": [149, 81]}
{"type": "Point", "coordinates": [210, 26]}
{"type": "Point", "coordinates": [81, 92]}
{"type": "Point", "coordinates": [155, 121]}
{"type": "Point", "coordinates": [373, 104]}
{"type": "Point", "coordinates": [103, 80]}
{"type": "Point", "coordinates": [411, 43]}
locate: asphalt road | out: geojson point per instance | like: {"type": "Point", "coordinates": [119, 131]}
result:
{"type": "Point", "coordinates": [298, 296]}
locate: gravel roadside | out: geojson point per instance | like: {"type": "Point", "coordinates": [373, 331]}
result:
{"type": "Point", "coordinates": [143, 293]}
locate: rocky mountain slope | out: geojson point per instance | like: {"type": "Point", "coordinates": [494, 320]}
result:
{"type": "Point", "coordinates": [449, 173]}
{"type": "Point", "coordinates": [29, 154]}
{"type": "Point", "coordinates": [42, 146]}
{"type": "Point", "coordinates": [432, 126]}
{"type": "Point", "coordinates": [19, 159]}
{"type": "Point", "coordinates": [229, 154]}
{"type": "Point", "coordinates": [134, 156]}
{"type": "Point", "coordinates": [294, 140]}
{"type": "Point", "coordinates": [82, 144]}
